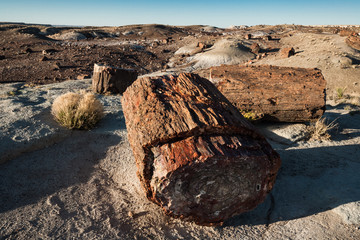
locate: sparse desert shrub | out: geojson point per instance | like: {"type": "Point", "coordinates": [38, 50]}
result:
{"type": "Point", "coordinates": [320, 129]}
{"type": "Point", "coordinates": [340, 92]}
{"type": "Point", "coordinates": [77, 111]}
{"type": "Point", "coordinates": [252, 116]}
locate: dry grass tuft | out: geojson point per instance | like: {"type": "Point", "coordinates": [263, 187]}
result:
{"type": "Point", "coordinates": [340, 92]}
{"type": "Point", "coordinates": [77, 111]}
{"type": "Point", "coordinates": [319, 131]}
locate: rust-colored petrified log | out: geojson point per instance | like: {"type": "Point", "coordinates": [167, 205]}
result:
{"type": "Point", "coordinates": [286, 52]}
{"type": "Point", "coordinates": [353, 41]}
{"type": "Point", "coordinates": [109, 79]}
{"type": "Point", "coordinates": [197, 157]}
{"type": "Point", "coordinates": [282, 94]}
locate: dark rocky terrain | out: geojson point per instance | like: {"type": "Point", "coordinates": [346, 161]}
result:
{"type": "Point", "coordinates": [43, 54]}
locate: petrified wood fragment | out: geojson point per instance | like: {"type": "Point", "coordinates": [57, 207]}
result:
{"type": "Point", "coordinates": [353, 41]}
{"type": "Point", "coordinates": [197, 157]}
{"type": "Point", "coordinates": [286, 52]}
{"type": "Point", "coordinates": [273, 93]}
{"type": "Point", "coordinates": [108, 79]}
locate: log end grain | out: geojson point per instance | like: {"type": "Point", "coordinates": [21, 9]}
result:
{"type": "Point", "coordinates": [208, 179]}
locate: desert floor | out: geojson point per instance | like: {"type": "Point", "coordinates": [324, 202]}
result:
{"type": "Point", "coordinates": [63, 184]}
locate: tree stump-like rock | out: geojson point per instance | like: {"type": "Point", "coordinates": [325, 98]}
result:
{"type": "Point", "coordinates": [197, 157]}
{"type": "Point", "coordinates": [107, 79]}
{"type": "Point", "coordinates": [281, 94]}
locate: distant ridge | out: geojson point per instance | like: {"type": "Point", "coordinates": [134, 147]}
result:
{"type": "Point", "coordinates": [21, 23]}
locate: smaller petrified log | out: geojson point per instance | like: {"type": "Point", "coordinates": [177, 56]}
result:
{"type": "Point", "coordinates": [281, 94]}
{"type": "Point", "coordinates": [197, 157]}
{"type": "Point", "coordinates": [346, 33]}
{"type": "Point", "coordinates": [107, 79]}
{"type": "Point", "coordinates": [287, 52]}
{"type": "Point", "coordinates": [353, 41]}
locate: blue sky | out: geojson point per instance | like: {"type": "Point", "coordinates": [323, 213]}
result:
{"type": "Point", "coordinates": [221, 13]}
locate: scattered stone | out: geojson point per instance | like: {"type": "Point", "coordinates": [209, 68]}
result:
{"type": "Point", "coordinates": [196, 50]}
{"type": "Point", "coordinates": [255, 48]}
{"type": "Point", "coordinates": [28, 50]}
{"type": "Point", "coordinates": [43, 58]}
{"type": "Point", "coordinates": [155, 44]}
{"type": "Point", "coordinates": [48, 51]}
{"type": "Point", "coordinates": [287, 52]}
{"type": "Point", "coordinates": [56, 66]}
{"type": "Point", "coordinates": [197, 157]}
{"type": "Point", "coordinates": [201, 45]}
{"type": "Point", "coordinates": [108, 79]}
{"type": "Point", "coordinates": [281, 94]}
{"type": "Point", "coordinates": [267, 38]}
{"type": "Point", "coordinates": [83, 76]}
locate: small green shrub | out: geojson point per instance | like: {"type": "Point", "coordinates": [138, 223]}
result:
{"type": "Point", "coordinates": [77, 111]}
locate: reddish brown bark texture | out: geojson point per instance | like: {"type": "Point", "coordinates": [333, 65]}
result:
{"type": "Point", "coordinates": [353, 41]}
{"type": "Point", "coordinates": [277, 93]}
{"type": "Point", "coordinates": [197, 157]}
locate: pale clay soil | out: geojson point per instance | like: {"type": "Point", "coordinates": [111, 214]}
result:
{"type": "Point", "coordinates": [62, 184]}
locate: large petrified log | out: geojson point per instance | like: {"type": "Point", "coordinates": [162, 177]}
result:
{"type": "Point", "coordinates": [108, 79]}
{"type": "Point", "coordinates": [197, 157]}
{"type": "Point", "coordinates": [282, 94]}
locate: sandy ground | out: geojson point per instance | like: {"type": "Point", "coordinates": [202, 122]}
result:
{"type": "Point", "coordinates": [62, 184]}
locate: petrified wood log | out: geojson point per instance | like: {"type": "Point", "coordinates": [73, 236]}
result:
{"type": "Point", "coordinates": [353, 41]}
{"type": "Point", "coordinates": [197, 157]}
{"type": "Point", "coordinates": [281, 94]}
{"type": "Point", "coordinates": [108, 79]}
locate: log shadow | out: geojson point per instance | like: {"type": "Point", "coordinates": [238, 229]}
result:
{"type": "Point", "coordinates": [273, 50]}
{"type": "Point", "coordinates": [34, 175]}
{"type": "Point", "coordinates": [310, 181]}
{"type": "Point", "coordinates": [313, 179]}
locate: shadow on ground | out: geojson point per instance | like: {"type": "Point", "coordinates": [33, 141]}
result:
{"type": "Point", "coordinates": [312, 179]}
{"type": "Point", "coordinates": [40, 173]}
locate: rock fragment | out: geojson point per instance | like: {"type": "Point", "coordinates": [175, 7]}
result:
{"type": "Point", "coordinates": [287, 52]}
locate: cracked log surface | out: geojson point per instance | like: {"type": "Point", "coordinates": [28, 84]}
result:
{"type": "Point", "coordinates": [197, 157]}
{"type": "Point", "coordinates": [281, 94]}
